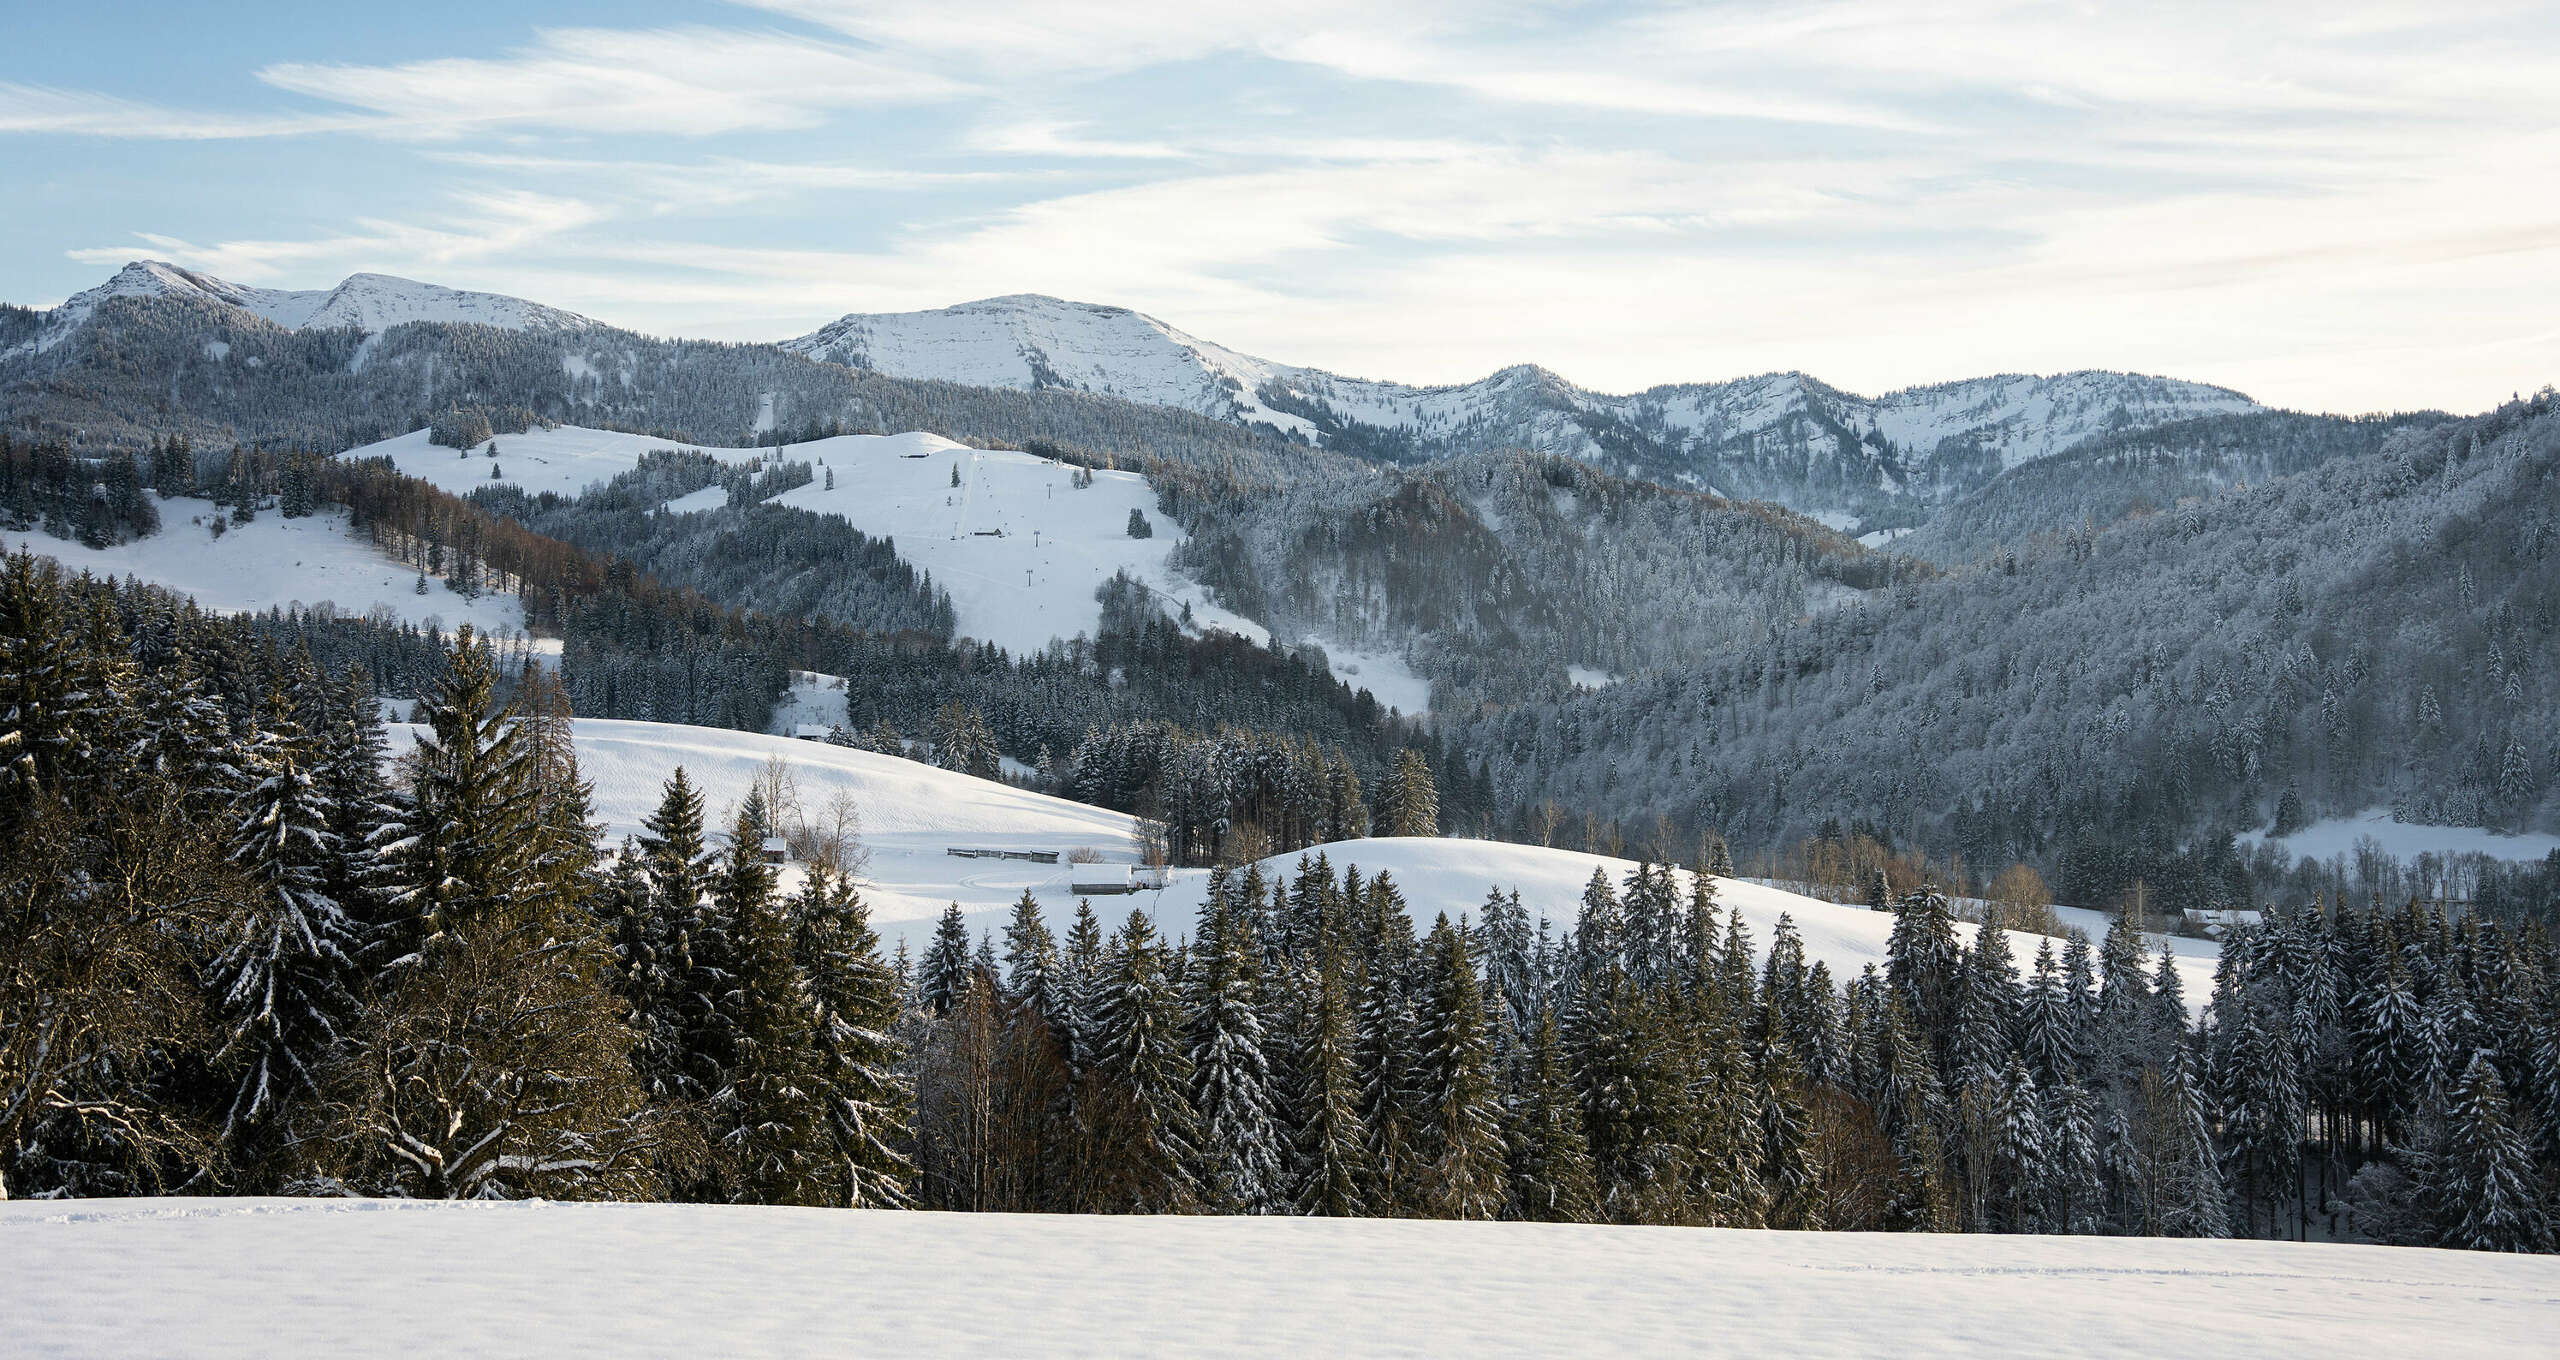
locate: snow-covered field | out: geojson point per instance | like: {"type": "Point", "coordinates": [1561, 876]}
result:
{"type": "Point", "coordinates": [1018, 546]}
{"type": "Point", "coordinates": [913, 814]}
{"type": "Point", "coordinates": [2406, 840]}
{"type": "Point", "coordinates": [264, 1278]}
{"type": "Point", "coordinates": [273, 561]}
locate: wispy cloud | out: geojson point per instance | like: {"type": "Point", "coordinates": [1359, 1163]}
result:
{"type": "Point", "coordinates": [488, 224]}
{"type": "Point", "coordinates": [39, 109]}
{"type": "Point", "coordinates": [680, 81]}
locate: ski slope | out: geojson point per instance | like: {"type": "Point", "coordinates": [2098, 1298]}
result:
{"type": "Point", "coordinates": [913, 814]}
{"type": "Point", "coordinates": [355, 1278]}
{"type": "Point", "coordinates": [274, 562]}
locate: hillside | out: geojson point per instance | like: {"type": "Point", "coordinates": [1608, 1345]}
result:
{"type": "Point", "coordinates": [193, 1277]}
{"type": "Point", "coordinates": [275, 563]}
{"type": "Point", "coordinates": [2360, 634]}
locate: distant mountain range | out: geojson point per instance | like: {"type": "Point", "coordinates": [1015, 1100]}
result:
{"type": "Point", "coordinates": [1781, 436]}
{"type": "Point", "coordinates": [1857, 462]}
{"type": "Point", "coordinates": [365, 302]}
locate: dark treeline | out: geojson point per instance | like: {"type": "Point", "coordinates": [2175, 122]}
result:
{"type": "Point", "coordinates": [244, 954]}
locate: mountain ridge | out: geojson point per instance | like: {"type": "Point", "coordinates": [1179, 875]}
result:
{"type": "Point", "coordinates": [1859, 462]}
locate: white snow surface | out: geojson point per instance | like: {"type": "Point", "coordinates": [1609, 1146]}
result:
{"type": "Point", "coordinates": [2407, 840]}
{"type": "Point", "coordinates": [366, 302]}
{"type": "Point", "coordinates": [1018, 547]}
{"type": "Point", "coordinates": [273, 561]}
{"type": "Point", "coordinates": [363, 1278]}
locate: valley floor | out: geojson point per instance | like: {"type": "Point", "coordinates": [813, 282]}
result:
{"type": "Point", "coordinates": [270, 1277]}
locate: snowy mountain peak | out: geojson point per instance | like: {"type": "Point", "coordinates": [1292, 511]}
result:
{"type": "Point", "coordinates": [366, 302]}
{"type": "Point", "coordinates": [1783, 436]}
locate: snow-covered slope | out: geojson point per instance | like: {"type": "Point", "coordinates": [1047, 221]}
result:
{"type": "Point", "coordinates": [366, 302]}
{"type": "Point", "coordinates": [1783, 435]}
{"type": "Point", "coordinates": [1017, 545]}
{"type": "Point", "coordinates": [1031, 342]}
{"type": "Point", "coordinates": [213, 1277]}
{"type": "Point", "coordinates": [273, 561]}
{"type": "Point", "coordinates": [913, 814]}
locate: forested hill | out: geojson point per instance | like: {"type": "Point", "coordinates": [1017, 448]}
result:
{"type": "Point", "coordinates": [1500, 575]}
{"type": "Point", "coordinates": [2145, 471]}
{"type": "Point", "coordinates": [2377, 630]}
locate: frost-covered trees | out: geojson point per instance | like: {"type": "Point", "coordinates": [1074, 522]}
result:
{"type": "Point", "coordinates": [494, 1063]}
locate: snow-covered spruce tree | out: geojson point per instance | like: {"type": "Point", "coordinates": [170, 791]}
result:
{"type": "Point", "coordinates": [861, 1074]}
{"type": "Point", "coordinates": [1330, 1165]}
{"type": "Point", "coordinates": [1231, 1082]}
{"type": "Point", "coordinates": [1383, 1046]}
{"type": "Point", "coordinates": [1140, 1114]}
{"type": "Point", "coordinates": [493, 1062]}
{"type": "Point", "coordinates": [1550, 1162]}
{"type": "Point", "coordinates": [943, 973]}
{"type": "Point", "coordinates": [347, 762]}
{"type": "Point", "coordinates": [653, 936]}
{"type": "Point", "coordinates": [282, 986]}
{"type": "Point", "coordinates": [1410, 802]}
{"type": "Point", "coordinates": [1458, 1150]}
{"type": "Point", "coordinates": [2482, 1182]}
{"type": "Point", "coordinates": [768, 1122]}
{"type": "Point", "coordinates": [1031, 959]}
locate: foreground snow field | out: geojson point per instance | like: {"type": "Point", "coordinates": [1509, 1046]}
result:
{"type": "Point", "coordinates": [193, 1277]}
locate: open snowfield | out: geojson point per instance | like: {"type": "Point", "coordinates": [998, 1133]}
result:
{"type": "Point", "coordinates": [1019, 548]}
{"type": "Point", "coordinates": [194, 1277]}
{"type": "Point", "coordinates": [913, 814]}
{"type": "Point", "coordinates": [2407, 840]}
{"type": "Point", "coordinates": [274, 561]}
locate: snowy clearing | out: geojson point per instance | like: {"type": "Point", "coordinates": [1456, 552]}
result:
{"type": "Point", "coordinates": [1020, 549]}
{"type": "Point", "coordinates": [273, 561]}
{"type": "Point", "coordinates": [199, 1277]}
{"type": "Point", "coordinates": [2406, 840]}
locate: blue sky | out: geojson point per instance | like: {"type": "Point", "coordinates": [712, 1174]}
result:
{"type": "Point", "coordinates": [2338, 206]}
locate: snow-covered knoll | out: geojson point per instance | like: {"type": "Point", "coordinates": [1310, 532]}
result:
{"type": "Point", "coordinates": [1027, 341]}
{"type": "Point", "coordinates": [1019, 547]}
{"type": "Point", "coordinates": [913, 814]}
{"type": "Point", "coordinates": [356, 1278]}
{"type": "Point", "coordinates": [365, 302]}
{"type": "Point", "coordinates": [273, 561]}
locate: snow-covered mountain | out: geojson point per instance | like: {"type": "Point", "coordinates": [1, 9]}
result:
{"type": "Point", "coordinates": [365, 302]}
{"type": "Point", "coordinates": [1781, 436]}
